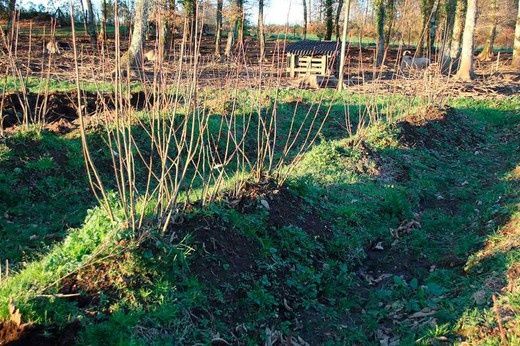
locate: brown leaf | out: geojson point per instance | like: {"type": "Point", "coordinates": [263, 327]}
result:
{"type": "Point", "coordinates": [14, 314]}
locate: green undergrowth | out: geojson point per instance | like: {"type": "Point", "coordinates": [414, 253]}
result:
{"type": "Point", "coordinates": [39, 85]}
{"type": "Point", "coordinates": [399, 235]}
{"type": "Point", "coordinates": [43, 192]}
{"type": "Point", "coordinates": [98, 236]}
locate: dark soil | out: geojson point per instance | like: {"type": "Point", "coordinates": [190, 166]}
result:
{"type": "Point", "coordinates": [223, 253]}
{"type": "Point", "coordinates": [38, 335]}
{"type": "Point", "coordinates": [395, 260]}
{"type": "Point", "coordinates": [438, 127]}
{"type": "Point", "coordinates": [284, 207]}
{"type": "Point", "coordinates": [288, 209]}
{"type": "Point", "coordinates": [59, 111]}
{"type": "Point", "coordinates": [87, 285]}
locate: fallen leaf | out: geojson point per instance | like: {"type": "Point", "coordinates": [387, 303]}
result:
{"type": "Point", "coordinates": [14, 314]}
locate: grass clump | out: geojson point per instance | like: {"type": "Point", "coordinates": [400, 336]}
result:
{"type": "Point", "coordinates": [99, 235]}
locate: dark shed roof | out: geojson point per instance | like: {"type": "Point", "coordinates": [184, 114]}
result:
{"type": "Point", "coordinates": [313, 48]}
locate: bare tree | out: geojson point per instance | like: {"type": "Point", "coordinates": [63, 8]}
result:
{"type": "Point", "coordinates": [137, 40]}
{"type": "Point", "coordinates": [487, 51]}
{"type": "Point", "coordinates": [11, 12]}
{"type": "Point", "coordinates": [516, 49]}
{"type": "Point", "coordinates": [218, 30]}
{"type": "Point", "coordinates": [91, 22]}
{"type": "Point", "coordinates": [343, 46]}
{"type": "Point", "coordinates": [328, 20]}
{"type": "Point", "coordinates": [379, 9]}
{"type": "Point", "coordinates": [429, 25]}
{"type": "Point", "coordinates": [390, 10]}
{"type": "Point", "coordinates": [305, 19]}
{"type": "Point", "coordinates": [103, 30]}
{"type": "Point", "coordinates": [236, 27]}
{"type": "Point", "coordinates": [261, 30]}
{"type": "Point", "coordinates": [336, 21]}
{"type": "Point", "coordinates": [465, 71]}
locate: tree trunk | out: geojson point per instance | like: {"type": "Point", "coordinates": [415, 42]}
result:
{"type": "Point", "coordinates": [343, 46]}
{"type": "Point", "coordinates": [432, 29]}
{"type": "Point", "coordinates": [516, 49]}
{"type": "Point", "coordinates": [391, 16]}
{"type": "Point", "coordinates": [237, 28]}
{"type": "Point", "coordinates": [218, 31]}
{"type": "Point", "coordinates": [11, 13]}
{"type": "Point", "coordinates": [261, 32]}
{"type": "Point", "coordinates": [170, 25]}
{"type": "Point", "coordinates": [137, 40]}
{"type": "Point", "coordinates": [328, 20]}
{"type": "Point", "coordinates": [233, 29]}
{"type": "Point", "coordinates": [193, 21]}
{"type": "Point", "coordinates": [84, 16]}
{"type": "Point", "coordinates": [425, 9]}
{"type": "Point", "coordinates": [338, 15]}
{"type": "Point", "coordinates": [310, 5]}
{"type": "Point", "coordinates": [465, 71]}
{"type": "Point", "coordinates": [240, 39]}
{"type": "Point", "coordinates": [230, 41]}
{"type": "Point", "coordinates": [91, 22]}
{"type": "Point", "coordinates": [449, 9]}
{"type": "Point", "coordinates": [103, 30]}
{"type": "Point", "coordinates": [305, 19]}
{"type": "Point", "coordinates": [458, 29]}
{"type": "Point", "coordinates": [487, 51]}
{"type": "Point", "coordinates": [379, 9]}
{"type": "Point", "coordinates": [429, 26]}
{"type": "Point", "coordinates": [162, 23]}
{"type": "Point", "coordinates": [190, 11]}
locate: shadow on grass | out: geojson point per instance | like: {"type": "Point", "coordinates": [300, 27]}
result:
{"type": "Point", "coordinates": [45, 191]}
{"type": "Point", "coordinates": [320, 261]}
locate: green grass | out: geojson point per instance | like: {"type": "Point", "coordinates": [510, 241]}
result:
{"type": "Point", "coordinates": [40, 85]}
{"type": "Point", "coordinates": [321, 263]}
{"type": "Point", "coordinates": [43, 192]}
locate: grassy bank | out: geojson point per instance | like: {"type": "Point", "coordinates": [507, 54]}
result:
{"type": "Point", "coordinates": [400, 234]}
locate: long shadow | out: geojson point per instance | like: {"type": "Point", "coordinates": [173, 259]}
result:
{"type": "Point", "coordinates": [44, 187]}
{"type": "Point", "coordinates": [405, 236]}
{"type": "Point", "coordinates": [364, 245]}
{"type": "Point", "coordinates": [321, 262]}
{"type": "Point", "coordinates": [413, 281]}
{"type": "Point", "coordinates": [43, 192]}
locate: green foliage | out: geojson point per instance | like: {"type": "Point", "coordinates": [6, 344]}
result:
{"type": "Point", "coordinates": [80, 247]}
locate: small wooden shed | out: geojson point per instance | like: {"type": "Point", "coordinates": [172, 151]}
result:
{"type": "Point", "coordinates": [312, 58]}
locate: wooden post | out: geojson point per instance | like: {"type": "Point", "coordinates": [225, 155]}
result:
{"type": "Point", "coordinates": [293, 65]}
{"type": "Point", "coordinates": [324, 65]}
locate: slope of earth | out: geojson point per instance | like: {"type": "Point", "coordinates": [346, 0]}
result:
{"type": "Point", "coordinates": [400, 235]}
